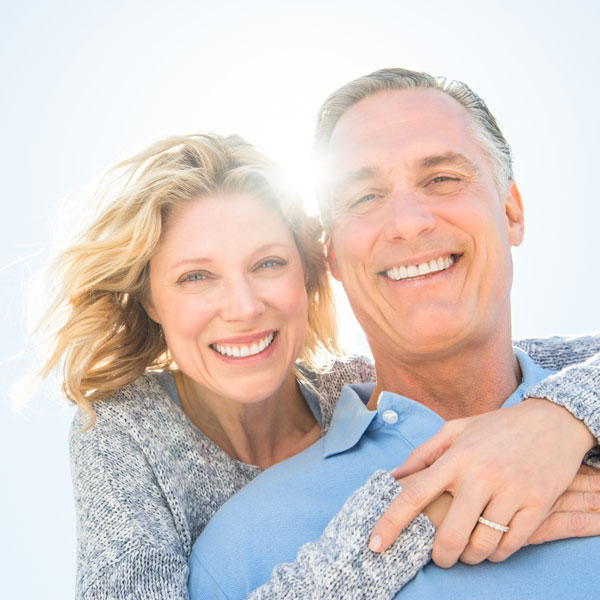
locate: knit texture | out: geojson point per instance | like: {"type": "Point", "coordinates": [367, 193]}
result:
{"type": "Point", "coordinates": [146, 481]}
{"type": "Point", "coordinates": [340, 565]}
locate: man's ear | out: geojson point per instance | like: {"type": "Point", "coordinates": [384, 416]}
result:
{"type": "Point", "coordinates": [515, 218]}
{"type": "Point", "coordinates": [332, 259]}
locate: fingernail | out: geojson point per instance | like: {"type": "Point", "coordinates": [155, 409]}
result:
{"type": "Point", "coordinates": [375, 543]}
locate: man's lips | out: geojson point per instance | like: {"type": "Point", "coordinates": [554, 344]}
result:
{"type": "Point", "coordinates": [413, 271]}
{"type": "Point", "coordinates": [243, 350]}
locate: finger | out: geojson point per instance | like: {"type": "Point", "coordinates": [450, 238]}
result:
{"type": "Point", "coordinates": [561, 525]}
{"type": "Point", "coordinates": [578, 502]}
{"type": "Point", "coordinates": [481, 540]}
{"type": "Point", "coordinates": [423, 456]}
{"type": "Point", "coordinates": [522, 526]}
{"type": "Point", "coordinates": [587, 470]}
{"type": "Point", "coordinates": [453, 535]}
{"type": "Point", "coordinates": [417, 492]}
{"type": "Point", "coordinates": [586, 482]}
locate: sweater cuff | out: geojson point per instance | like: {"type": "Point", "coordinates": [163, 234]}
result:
{"type": "Point", "coordinates": [578, 390]}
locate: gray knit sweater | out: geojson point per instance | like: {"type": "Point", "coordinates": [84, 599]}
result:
{"type": "Point", "coordinates": [146, 482]}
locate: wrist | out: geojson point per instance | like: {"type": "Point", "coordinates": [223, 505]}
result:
{"type": "Point", "coordinates": [582, 438]}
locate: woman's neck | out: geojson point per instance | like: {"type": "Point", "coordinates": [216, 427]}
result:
{"type": "Point", "coordinates": [258, 433]}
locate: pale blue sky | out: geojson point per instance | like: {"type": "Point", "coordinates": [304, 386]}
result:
{"type": "Point", "coordinates": [85, 82]}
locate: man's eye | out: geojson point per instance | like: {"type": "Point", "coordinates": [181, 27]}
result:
{"type": "Point", "coordinates": [363, 199]}
{"type": "Point", "coordinates": [443, 178]}
{"type": "Point", "coordinates": [443, 184]}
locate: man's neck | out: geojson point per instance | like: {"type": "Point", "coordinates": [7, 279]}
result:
{"type": "Point", "coordinates": [467, 382]}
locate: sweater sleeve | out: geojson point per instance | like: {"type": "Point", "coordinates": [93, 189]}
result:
{"type": "Point", "coordinates": [577, 385]}
{"type": "Point", "coordinates": [144, 573]}
{"type": "Point", "coordinates": [128, 545]}
{"type": "Point", "coordinates": [339, 565]}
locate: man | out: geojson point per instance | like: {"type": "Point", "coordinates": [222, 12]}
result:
{"type": "Point", "coordinates": [422, 210]}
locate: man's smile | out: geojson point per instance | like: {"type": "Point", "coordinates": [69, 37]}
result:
{"type": "Point", "coordinates": [422, 269]}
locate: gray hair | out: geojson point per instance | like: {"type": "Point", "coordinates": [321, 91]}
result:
{"type": "Point", "coordinates": [485, 129]}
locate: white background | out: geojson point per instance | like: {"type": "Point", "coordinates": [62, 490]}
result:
{"type": "Point", "coordinates": [85, 82]}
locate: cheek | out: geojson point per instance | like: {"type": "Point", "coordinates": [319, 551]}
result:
{"type": "Point", "coordinates": [291, 301]}
{"type": "Point", "coordinates": [185, 316]}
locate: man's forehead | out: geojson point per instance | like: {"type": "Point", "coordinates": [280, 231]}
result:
{"type": "Point", "coordinates": [419, 127]}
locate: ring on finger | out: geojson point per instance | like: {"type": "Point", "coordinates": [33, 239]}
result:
{"type": "Point", "coordinates": [493, 525]}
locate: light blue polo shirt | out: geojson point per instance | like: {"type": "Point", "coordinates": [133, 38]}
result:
{"type": "Point", "coordinates": [291, 503]}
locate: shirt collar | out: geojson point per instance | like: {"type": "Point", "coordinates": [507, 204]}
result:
{"type": "Point", "coordinates": [350, 418]}
{"type": "Point", "coordinates": [416, 423]}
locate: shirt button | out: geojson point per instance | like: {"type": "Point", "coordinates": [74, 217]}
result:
{"type": "Point", "coordinates": [390, 416]}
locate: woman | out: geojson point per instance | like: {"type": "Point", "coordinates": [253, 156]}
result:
{"type": "Point", "coordinates": [193, 315]}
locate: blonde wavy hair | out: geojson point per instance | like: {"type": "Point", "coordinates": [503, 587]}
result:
{"type": "Point", "coordinates": [99, 333]}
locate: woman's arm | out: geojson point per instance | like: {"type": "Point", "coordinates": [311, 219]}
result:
{"type": "Point", "coordinates": [339, 564]}
{"type": "Point", "coordinates": [127, 546]}
{"type": "Point", "coordinates": [502, 453]}
{"type": "Point", "coordinates": [577, 385]}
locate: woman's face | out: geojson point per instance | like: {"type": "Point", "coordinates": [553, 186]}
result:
{"type": "Point", "coordinates": [227, 286]}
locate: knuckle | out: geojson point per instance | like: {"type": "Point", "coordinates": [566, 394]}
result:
{"type": "Point", "coordinates": [388, 522]}
{"type": "Point", "coordinates": [577, 522]}
{"type": "Point", "coordinates": [594, 482]}
{"type": "Point", "coordinates": [414, 495]}
{"type": "Point", "coordinates": [451, 540]}
{"type": "Point", "coordinates": [591, 501]}
{"type": "Point", "coordinates": [481, 546]}
{"type": "Point", "coordinates": [510, 543]}
{"type": "Point", "coordinates": [499, 556]}
{"type": "Point", "coordinates": [470, 559]}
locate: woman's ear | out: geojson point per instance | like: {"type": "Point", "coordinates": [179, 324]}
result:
{"type": "Point", "coordinates": [150, 309]}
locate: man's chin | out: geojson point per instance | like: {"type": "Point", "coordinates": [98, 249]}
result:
{"type": "Point", "coordinates": [427, 335]}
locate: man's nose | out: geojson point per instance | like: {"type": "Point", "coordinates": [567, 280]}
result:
{"type": "Point", "coordinates": [241, 301]}
{"type": "Point", "coordinates": [408, 217]}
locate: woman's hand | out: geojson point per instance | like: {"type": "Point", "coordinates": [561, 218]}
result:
{"type": "Point", "coordinates": [509, 466]}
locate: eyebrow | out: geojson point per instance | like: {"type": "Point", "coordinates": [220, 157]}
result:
{"type": "Point", "coordinates": [454, 158]}
{"type": "Point", "coordinates": [365, 173]}
{"type": "Point", "coordinates": [263, 248]}
{"type": "Point", "coordinates": [353, 177]}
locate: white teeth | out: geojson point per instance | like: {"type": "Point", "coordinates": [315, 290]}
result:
{"type": "Point", "coordinates": [243, 351]}
{"type": "Point", "coordinates": [425, 268]}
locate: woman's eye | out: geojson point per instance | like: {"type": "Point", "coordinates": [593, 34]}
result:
{"type": "Point", "coordinates": [193, 277]}
{"type": "Point", "coordinates": [269, 263]}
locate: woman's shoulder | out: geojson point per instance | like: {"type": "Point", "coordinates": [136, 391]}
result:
{"type": "Point", "coordinates": [353, 369]}
{"type": "Point", "coordinates": [143, 403]}
{"type": "Point", "coordinates": [328, 383]}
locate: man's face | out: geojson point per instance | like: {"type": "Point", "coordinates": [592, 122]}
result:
{"type": "Point", "coordinates": [421, 234]}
